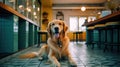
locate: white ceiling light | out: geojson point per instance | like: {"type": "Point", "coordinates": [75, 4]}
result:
{"type": "Point", "coordinates": [35, 17]}
{"type": "Point", "coordinates": [83, 8]}
{"type": "Point", "coordinates": [99, 12]}
{"type": "Point", "coordinates": [38, 9]}
{"type": "Point", "coordinates": [28, 9]}
{"type": "Point", "coordinates": [34, 13]}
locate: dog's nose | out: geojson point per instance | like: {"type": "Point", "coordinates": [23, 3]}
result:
{"type": "Point", "coordinates": [56, 30]}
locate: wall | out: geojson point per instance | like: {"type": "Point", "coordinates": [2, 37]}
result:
{"type": "Point", "coordinates": [46, 7]}
{"type": "Point", "coordinates": [69, 12]}
{"type": "Point", "coordinates": [49, 11]}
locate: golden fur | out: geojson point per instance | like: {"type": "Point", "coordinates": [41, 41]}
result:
{"type": "Point", "coordinates": [57, 46]}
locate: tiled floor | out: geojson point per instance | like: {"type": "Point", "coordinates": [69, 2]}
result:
{"type": "Point", "coordinates": [84, 57]}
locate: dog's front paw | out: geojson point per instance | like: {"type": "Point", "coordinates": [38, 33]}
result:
{"type": "Point", "coordinates": [73, 65]}
{"type": "Point", "coordinates": [54, 65]}
{"type": "Point", "coordinates": [40, 58]}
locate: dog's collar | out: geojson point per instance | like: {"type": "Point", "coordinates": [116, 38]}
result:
{"type": "Point", "coordinates": [59, 42]}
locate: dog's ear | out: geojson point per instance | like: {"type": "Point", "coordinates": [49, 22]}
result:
{"type": "Point", "coordinates": [49, 30]}
{"type": "Point", "coordinates": [65, 28]}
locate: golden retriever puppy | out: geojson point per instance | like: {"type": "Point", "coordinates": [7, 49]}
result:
{"type": "Point", "coordinates": [57, 46]}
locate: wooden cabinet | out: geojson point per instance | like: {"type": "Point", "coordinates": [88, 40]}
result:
{"type": "Point", "coordinates": [16, 31]}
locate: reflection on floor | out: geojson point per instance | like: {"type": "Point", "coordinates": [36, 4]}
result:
{"type": "Point", "coordinates": [84, 56]}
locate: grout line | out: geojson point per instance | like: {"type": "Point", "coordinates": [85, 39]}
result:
{"type": "Point", "coordinates": [39, 64]}
{"type": "Point", "coordinates": [25, 63]}
{"type": "Point", "coordinates": [13, 55]}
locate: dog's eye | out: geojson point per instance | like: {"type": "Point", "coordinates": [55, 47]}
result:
{"type": "Point", "coordinates": [60, 23]}
{"type": "Point", "coordinates": [53, 24]}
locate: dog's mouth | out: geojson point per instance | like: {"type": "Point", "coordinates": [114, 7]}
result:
{"type": "Point", "coordinates": [57, 35]}
{"type": "Point", "coordinates": [56, 32]}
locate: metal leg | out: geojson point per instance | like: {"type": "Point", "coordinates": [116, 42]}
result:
{"type": "Point", "coordinates": [46, 38]}
{"type": "Point", "coordinates": [38, 40]}
{"type": "Point", "coordinates": [76, 37]}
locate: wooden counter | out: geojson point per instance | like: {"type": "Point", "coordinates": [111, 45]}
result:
{"type": "Point", "coordinates": [109, 18]}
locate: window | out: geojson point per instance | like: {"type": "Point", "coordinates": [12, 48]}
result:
{"type": "Point", "coordinates": [73, 23]}
{"type": "Point", "coordinates": [76, 22]}
{"type": "Point", "coordinates": [81, 22]}
{"type": "Point", "coordinates": [91, 18]}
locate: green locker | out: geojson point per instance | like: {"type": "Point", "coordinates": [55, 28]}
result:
{"type": "Point", "coordinates": [31, 35]}
{"type": "Point", "coordinates": [27, 34]}
{"type": "Point", "coordinates": [35, 35]}
{"type": "Point", "coordinates": [95, 36]}
{"type": "Point", "coordinates": [8, 33]}
{"type": "Point", "coordinates": [109, 37]}
{"type": "Point", "coordinates": [15, 33]}
{"type": "Point", "coordinates": [89, 36]}
{"type": "Point", "coordinates": [102, 36]}
{"type": "Point", "coordinates": [115, 36]}
{"type": "Point", "coordinates": [22, 34]}
{"type": "Point", "coordinates": [119, 35]}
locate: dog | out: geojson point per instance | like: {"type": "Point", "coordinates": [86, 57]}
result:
{"type": "Point", "coordinates": [57, 44]}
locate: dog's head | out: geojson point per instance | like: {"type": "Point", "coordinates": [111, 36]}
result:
{"type": "Point", "coordinates": [57, 28]}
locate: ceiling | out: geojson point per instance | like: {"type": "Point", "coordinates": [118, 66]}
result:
{"type": "Point", "coordinates": [78, 1]}
{"type": "Point", "coordinates": [74, 4]}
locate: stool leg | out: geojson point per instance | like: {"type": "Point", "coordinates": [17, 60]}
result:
{"type": "Point", "coordinates": [112, 45]}
{"type": "Point", "coordinates": [73, 37]}
{"type": "Point", "coordinates": [118, 48]}
{"type": "Point", "coordinates": [92, 34]}
{"type": "Point", "coordinates": [93, 45]}
{"type": "Point", "coordinates": [46, 38]}
{"type": "Point", "coordinates": [99, 45]}
{"type": "Point", "coordinates": [105, 48]}
{"type": "Point", "coordinates": [76, 37]}
{"type": "Point", "coordinates": [38, 40]}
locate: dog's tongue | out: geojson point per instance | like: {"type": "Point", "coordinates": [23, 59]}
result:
{"type": "Point", "coordinates": [57, 35]}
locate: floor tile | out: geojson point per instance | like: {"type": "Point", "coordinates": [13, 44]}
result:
{"type": "Point", "coordinates": [81, 54]}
